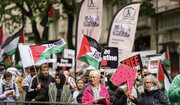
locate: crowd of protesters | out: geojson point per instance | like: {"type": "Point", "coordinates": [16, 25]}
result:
{"type": "Point", "coordinates": [88, 88]}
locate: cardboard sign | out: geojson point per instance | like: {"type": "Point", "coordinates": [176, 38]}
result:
{"type": "Point", "coordinates": [64, 64]}
{"type": "Point", "coordinates": [122, 74]}
{"type": "Point", "coordinates": [110, 58]}
{"type": "Point", "coordinates": [134, 61]}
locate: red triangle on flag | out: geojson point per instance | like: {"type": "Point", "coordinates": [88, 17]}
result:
{"type": "Point", "coordinates": [1, 34]}
{"type": "Point", "coordinates": [51, 11]}
{"type": "Point", "coordinates": [21, 38]}
{"type": "Point", "coordinates": [160, 73]}
{"type": "Point", "coordinates": [37, 51]}
{"type": "Point", "coordinates": [167, 54]}
{"type": "Point", "coordinates": [84, 48]}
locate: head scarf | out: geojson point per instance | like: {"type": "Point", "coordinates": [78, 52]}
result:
{"type": "Point", "coordinates": [79, 80]}
{"type": "Point", "coordinates": [62, 80]}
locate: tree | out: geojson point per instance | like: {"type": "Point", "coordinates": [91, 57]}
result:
{"type": "Point", "coordinates": [70, 8]}
{"type": "Point", "coordinates": [16, 12]}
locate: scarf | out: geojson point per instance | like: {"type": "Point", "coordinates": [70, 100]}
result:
{"type": "Point", "coordinates": [152, 88]}
{"type": "Point", "coordinates": [96, 93]}
{"type": "Point", "coordinates": [62, 81]}
{"type": "Point", "coordinates": [7, 84]}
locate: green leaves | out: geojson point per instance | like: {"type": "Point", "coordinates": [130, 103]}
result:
{"type": "Point", "coordinates": [147, 8]}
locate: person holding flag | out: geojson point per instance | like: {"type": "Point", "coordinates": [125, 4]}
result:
{"type": "Point", "coordinates": [153, 94]}
{"type": "Point", "coordinates": [40, 84]}
{"type": "Point", "coordinates": [124, 97]}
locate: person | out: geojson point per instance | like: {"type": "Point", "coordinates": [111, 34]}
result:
{"type": "Point", "coordinates": [86, 84]}
{"type": "Point", "coordinates": [8, 89]}
{"type": "Point", "coordinates": [28, 83]}
{"type": "Point", "coordinates": [153, 93]}
{"type": "Point", "coordinates": [111, 88]}
{"type": "Point", "coordinates": [59, 91]}
{"type": "Point", "coordinates": [69, 80]}
{"type": "Point", "coordinates": [80, 84]}
{"type": "Point", "coordinates": [95, 93]}
{"type": "Point", "coordinates": [123, 97]}
{"type": "Point", "coordinates": [40, 84]}
{"type": "Point", "coordinates": [174, 90]}
{"type": "Point", "coordinates": [19, 82]}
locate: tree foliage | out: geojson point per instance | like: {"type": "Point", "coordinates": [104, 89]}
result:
{"type": "Point", "coordinates": [14, 14]}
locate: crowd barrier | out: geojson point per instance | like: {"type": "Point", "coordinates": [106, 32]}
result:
{"type": "Point", "coordinates": [39, 102]}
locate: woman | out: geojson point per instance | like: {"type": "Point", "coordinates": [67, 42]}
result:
{"type": "Point", "coordinates": [80, 84]}
{"type": "Point", "coordinates": [95, 93]}
{"type": "Point", "coordinates": [153, 94]}
{"type": "Point", "coordinates": [59, 91]}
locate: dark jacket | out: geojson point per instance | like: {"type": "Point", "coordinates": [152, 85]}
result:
{"type": "Point", "coordinates": [121, 98]}
{"type": "Point", "coordinates": [155, 97]}
{"type": "Point", "coordinates": [111, 90]}
{"type": "Point", "coordinates": [42, 94]}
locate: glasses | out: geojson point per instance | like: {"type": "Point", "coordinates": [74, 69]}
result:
{"type": "Point", "coordinates": [148, 82]}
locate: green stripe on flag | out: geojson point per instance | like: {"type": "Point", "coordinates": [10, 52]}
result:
{"type": "Point", "coordinates": [48, 53]}
{"type": "Point", "coordinates": [163, 84]}
{"type": "Point", "coordinates": [12, 52]}
{"type": "Point", "coordinates": [89, 60]}
{"type": "Point", "coordinates": [166, 62]}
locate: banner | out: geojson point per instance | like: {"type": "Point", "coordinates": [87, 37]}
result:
{"type": "Point", "coordinates": [110, 58]}
{"type": "Point", "coordinates": [69, 53]}
{"type": "Point", "coordinates": [89, 22]}
{"type": "Point", "coordinates": [153, 66]}
{"type": "Point", "coordinates": [122, 29]}
{"type": "Point", "coordinates": [134, 61]}
{"type": "Point", "coordinates": [64, 64]}
{"type": "Point", "coordinates": [123, 74]}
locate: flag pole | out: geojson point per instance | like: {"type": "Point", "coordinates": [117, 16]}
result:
{"type": "Point", "coordinates": [36, 74]}
{"type": "Point", "coordinates": [104, 77]}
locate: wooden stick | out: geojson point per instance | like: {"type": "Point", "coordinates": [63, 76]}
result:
{"type": "Point", "coordinates": [36, 74]}
{"type": "Point", "coordinates": [104, 77]}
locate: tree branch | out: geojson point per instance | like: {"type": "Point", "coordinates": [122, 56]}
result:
{"type": "Point", "coordinates": [22, 9]}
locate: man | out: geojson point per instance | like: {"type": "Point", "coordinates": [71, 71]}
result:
{"type": "Point", "coordinates": [95, 93]}
{"type": "Point", "coordinates": [41, 88]}
{"type": "Point", "coordinates": [174, 90]}
{"type": "Point", "coordinates": [28, 83]}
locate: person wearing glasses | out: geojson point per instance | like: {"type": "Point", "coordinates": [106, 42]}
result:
{"type": "Point", "coordinates": [95, 93]}
{"type": "Point", "coordinates": [153, 93]}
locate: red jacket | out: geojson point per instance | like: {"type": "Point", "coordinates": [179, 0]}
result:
{"type": "Point", "coordinates": [87, 97]}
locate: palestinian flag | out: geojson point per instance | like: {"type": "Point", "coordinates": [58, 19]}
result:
{"type": "Point", "coordinates": [4, 39]}
{"type": "Point", "coordinates": [90, 52]}
{"type": "Point", "coordinates": [31, 55]}
{"type": "Point", "coordinates": [1, 34]}
{"type": "Point", "coordinates": [49, 17]}
{"type": "Point", "coordinates": [8, 62]}
{"type": "Point", "coordinates": [124, 86]}
{"type": "Point", "coordinates": [165, 56]}
{"type": "Point", "coordinates": [163, 77]}
{"type": "Point", "coordinates": [21, 39]}
{"type": "Point", "coordinates": [10, 45]}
